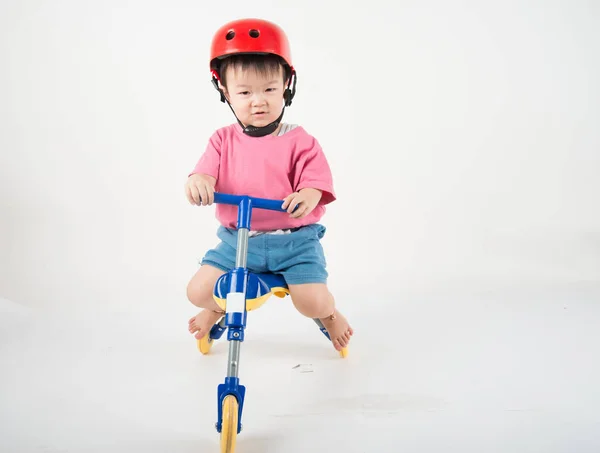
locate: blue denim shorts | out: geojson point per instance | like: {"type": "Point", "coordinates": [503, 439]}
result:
{"type": "Point", "coordinates": [298, 256]}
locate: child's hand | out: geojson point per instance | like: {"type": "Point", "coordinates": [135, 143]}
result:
{"type": "Point", "coordinates": [200, 189]}
{"type": "Point", "coordinates": [306, 199]}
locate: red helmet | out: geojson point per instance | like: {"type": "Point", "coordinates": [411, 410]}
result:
{"type": "Point", "coordinates": [256, 36]}
{"type": "Point", "coordinates": [252, 36]}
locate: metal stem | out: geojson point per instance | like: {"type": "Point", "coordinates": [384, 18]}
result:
{"type": "Point", "coordinates": [234, 359]}
{"type": "Point", "coordinates": [241, 257]}
{"type": "Point", "coordinates": [241, 260]}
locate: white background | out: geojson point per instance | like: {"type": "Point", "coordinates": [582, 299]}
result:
{"type": "Point", "coordinates": [464, 141]}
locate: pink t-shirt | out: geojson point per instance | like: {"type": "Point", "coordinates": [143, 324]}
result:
{"type": "Point", "coordinates": [267, 167]}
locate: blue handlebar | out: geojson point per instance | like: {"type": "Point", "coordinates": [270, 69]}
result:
{"type": "Point", "coordinates": [262, 203]}
{"type": "Point", "coordinates": [245, 205]}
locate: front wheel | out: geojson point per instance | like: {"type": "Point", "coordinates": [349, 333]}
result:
{"type": "Point", "coordinates": [229, 424]}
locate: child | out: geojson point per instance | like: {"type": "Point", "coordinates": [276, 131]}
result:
{"type": "Point", "coordinates": [262, 157]}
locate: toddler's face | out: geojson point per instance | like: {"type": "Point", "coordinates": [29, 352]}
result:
{"type": "Point", "coordinates": [256, 99]}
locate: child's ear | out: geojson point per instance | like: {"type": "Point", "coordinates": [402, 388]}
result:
{"type": "Point", "coordinates": [225, 92]}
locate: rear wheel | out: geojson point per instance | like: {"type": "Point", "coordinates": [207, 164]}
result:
{"type": "Point", "coordinates": [205, 343]}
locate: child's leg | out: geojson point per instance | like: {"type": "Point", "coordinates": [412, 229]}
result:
{"type": "Point", "coordinates": [200, 293]}
{"type": "Point", "coordinates": [201, 286]}
{"type": "Point", "coordinates": [314, 300]}
{"type": "Point", "coordinates": [300, 258]}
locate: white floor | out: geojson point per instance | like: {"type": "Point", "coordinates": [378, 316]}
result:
{"type": "Point", "coordinates": [457, 370]}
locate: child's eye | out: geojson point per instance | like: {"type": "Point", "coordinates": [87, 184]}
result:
{"type": "Point", "coordinates": [243, 93]}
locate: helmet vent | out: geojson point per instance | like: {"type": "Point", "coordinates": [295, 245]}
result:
{"type": "Point", "coordinates": [254, 33]}
{"type": "Point", "coordinates": [230, 35]}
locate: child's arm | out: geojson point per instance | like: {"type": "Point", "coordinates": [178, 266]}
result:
{"type": "Point", "coordinates": [312, 173]}
{"type": "Point", "coordinates": [306, 199]}
{"type": "Point", "coordinates": [201, 182]}
{"type": "Point", "coordinates": [312, 181]}
{"type": "Point", "coordinates": [210, 161]}
{"type": "Point", "coordinates": [200, 189]}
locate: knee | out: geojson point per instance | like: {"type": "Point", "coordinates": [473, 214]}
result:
{"type": "Point", "coordinates": [312, 300]}
{"type": "Point", "coordinates": [197, 291]}
{"type": "Point", "coordinates": [201, 286]}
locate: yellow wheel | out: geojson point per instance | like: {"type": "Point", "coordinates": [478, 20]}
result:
{"type": "Point", "coordinates": [204, 344]}
{"type": "Point", "coordinates": [229, 424]}
{"type": "Point", "coordinates": [344, 353]}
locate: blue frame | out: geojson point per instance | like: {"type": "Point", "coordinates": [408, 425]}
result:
{"type": "Point", "coordinates": [238, 278]}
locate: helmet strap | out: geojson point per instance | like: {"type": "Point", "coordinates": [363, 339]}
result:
{"type": "Point", "coordinates": [254, 131]}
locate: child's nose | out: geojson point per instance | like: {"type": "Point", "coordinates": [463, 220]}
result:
{"type": "Point", "coordinates": [258, 99]}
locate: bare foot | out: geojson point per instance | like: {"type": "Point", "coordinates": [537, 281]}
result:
{"type": "Point", "coordinates": [339, 330]}
{"type": "Point", "coordinates": [203, 322]}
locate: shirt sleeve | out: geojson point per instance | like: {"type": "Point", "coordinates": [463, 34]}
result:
{"type": "Point", "coordinates": [312, 171]}
{"type": "Point", "coordinates": [209, 162]}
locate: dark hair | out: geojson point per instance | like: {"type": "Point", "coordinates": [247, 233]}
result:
{"type": "Point", "coordinates": [263, 64]}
